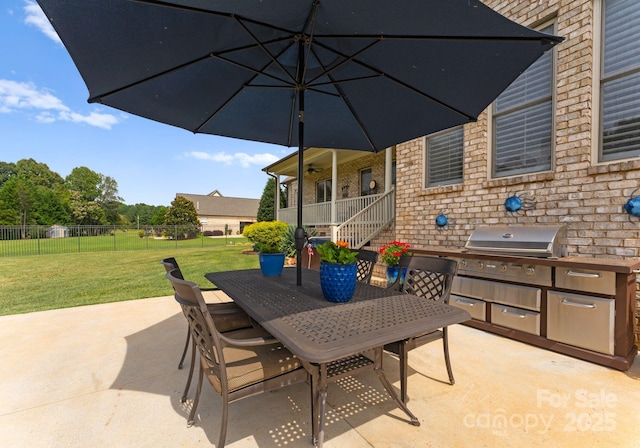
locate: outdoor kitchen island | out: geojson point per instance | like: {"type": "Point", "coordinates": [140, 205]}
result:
{"type": "Point", "coordinates": [581, 307]}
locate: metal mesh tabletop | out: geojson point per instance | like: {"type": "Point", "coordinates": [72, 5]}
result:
{"type": "Point", "coordinates": [319, 331]}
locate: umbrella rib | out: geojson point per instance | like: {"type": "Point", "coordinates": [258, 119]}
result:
{"type": "Point", "coordinates": [354, 114]}
{"type": "Point", "coordinates": [263, 48]}
{"type": "Point", "coordinates": [552, 40]}
{"type": "Point", "coordinates": [391, 78]}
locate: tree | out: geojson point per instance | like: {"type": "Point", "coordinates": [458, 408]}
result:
{"type": "Point", "coordinates": [86, 182]}
{"type": "Point", "coordinates": [86, 212]}
{"type": "Point", "coordinates": [7, 171]}
{"type": "Point", "coordinates": [109, 199]}
{"type": "Point", "coordinates": [16, 199]}
{"type": "Point", "coordinates": [38, 174]}
{"type": "Point", "coordinates": [51, 206]}
{"type": "Point", "coordinates": [181, 212]}
{"type": "Point", "coordinates": [266, 209]}
{"type": "Point", "coordinates": [158, 217]}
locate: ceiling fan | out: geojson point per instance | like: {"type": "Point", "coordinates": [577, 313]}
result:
{"type": "Point", "coordinates": [310, 169]}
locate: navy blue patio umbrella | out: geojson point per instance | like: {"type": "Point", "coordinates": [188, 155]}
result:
{"type": "Point", "coordinates": [357, 74]}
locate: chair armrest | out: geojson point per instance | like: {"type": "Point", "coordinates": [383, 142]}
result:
{"type": "Point", "coordinates": [210, 289]}
{"type": "Point", "coordinates": [264, 340]}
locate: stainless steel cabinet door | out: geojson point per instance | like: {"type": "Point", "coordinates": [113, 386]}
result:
{"type": "Point", "coordinates": [583, 321]}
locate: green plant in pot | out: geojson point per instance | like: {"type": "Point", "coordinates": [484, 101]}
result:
{"type": "Point", "coordinates": [338, 270]}
{"type": "Point", "coordinates": [268, 239]}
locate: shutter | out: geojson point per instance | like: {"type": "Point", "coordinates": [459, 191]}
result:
{"type": "Point", "coordinates": [523, 139]}
{"type": "Point", "coordinates": [445, 157]}
{"type": "Point", "coordinates": [523, 121]}
{"type": "Point", "coordinates": [621, 95]}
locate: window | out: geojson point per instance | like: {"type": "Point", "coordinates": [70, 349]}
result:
{"type": "Point", "coordinates": [323, 191]}
{"type": "Point", "coordinates": [523, 121]}
{"type": "Point", "coordinates": [620, 80]}
{"type": "Point", "coordinates": [444, 157]}
{"type": "Point", "coordinates": [365, 180]}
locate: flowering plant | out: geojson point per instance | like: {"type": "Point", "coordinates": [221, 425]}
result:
{"type": "Point", "coordinates": [391, 253]}
{"type": "Point", "coordinates": [338, 252]}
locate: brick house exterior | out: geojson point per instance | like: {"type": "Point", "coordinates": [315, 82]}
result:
{"type": "Point", "coordinates": [581, 188]}
{"type": "Point", "coordinates": [579, 191]}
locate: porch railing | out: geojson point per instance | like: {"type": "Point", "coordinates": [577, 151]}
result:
{"type": "Point", "coordinates": [320, 214]}
{"type": "Point", "coordinates": [368, 222]}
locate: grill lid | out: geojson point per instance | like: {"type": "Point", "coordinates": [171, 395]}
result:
{"type": "Point", "coordinates": [529, 241]}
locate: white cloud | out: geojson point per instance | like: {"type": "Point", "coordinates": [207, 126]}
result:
{"type": "Point", "coordinates": [35, 17]}
{"type": "Point", "coordinates": [48, 108]}
{"type": "Point", "coordinates": [243, 159]}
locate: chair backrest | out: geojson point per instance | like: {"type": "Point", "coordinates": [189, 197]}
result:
{"type": "Point", "coordinates": [171, 264]}
{"type": "Point", "coordinates": [366, 261]}
{"type": "Point", "coordinates": [201, 324]}
{"type": "Point", "coordinates": [428, 277]}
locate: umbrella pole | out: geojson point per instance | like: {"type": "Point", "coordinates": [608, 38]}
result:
{"type": "Point", "coordinates": [299, 233]}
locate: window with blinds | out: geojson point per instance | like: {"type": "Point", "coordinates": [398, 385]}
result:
{"type": "Point", "coordinates": [444, 157]}
{"type": "Point", "coordinates": [523, 121]}
{"type": "Point", "coordinates": [620, 80]}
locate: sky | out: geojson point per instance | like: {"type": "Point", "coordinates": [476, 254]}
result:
{"type": "Point", "coordinates": [44, 115]}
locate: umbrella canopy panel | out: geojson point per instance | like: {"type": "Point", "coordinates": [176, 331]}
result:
{"type": "Point", "coordinates": [374, 73]}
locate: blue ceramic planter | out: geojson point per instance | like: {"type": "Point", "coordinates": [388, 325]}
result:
{"type": "Point", "coordinates": [271, 265]}
{"type": "Point", "coordinates": [338, 281]}
{"type": "Point", "coordinates": [392, 274]}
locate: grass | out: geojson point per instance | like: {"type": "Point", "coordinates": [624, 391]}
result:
{"type": "Point", "coordinates": [38, 283]}
{"type": "Point", "coordinates": [117, 240]}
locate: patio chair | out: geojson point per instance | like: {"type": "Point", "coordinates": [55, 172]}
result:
{"type": "Point", "coordinates": [228, 316]}
{"type": "Point", "coordinates": [366, 261]}
{"type": "Point", "coordinates": [238, 363]}
{"type": "Point", "coordinates": [431, 278]}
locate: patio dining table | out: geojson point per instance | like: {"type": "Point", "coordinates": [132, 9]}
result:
{"type": "Point", "coordinates": [333, 340]}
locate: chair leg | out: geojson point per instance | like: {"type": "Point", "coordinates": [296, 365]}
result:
{"type": "Point", "coordinates": [191, 367]}
{"type": "Point", "coordinates": [403, 354]}
{"type": "Point", "coordinates": [225, 418]}
{"type": "Point", "coordinates": [186, 345]}
{"type": "Point", "coordinates": [192, 414]}
{"type": "Point", "coordinates": [447, 360]}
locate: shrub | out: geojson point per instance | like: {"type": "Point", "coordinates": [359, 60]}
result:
{"type": "Point", "coordinates": [267, 236]}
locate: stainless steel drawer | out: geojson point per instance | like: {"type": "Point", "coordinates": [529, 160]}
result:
{"type": "Point", "coordinates": [477, 308]}
{"type": "Point", "coordinates": [583, 321]}
{"type": "Point", "coordinates": [516, 318]}
{"type": "Point", "coordinates": [489, 291]}
{"type": "Point", "coordinates": [587, 280]}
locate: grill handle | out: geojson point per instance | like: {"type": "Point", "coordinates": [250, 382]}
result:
{"type": "Point", "coordinates": [505, 250]}
{"type": "Point", "coordinates": [465, 302]}
{"type": "Point", "coordinates": [583, 274]}
{"type": "Point", "coordinates": [591, 306]}
{"type": "Point", "coordinates": [511, 313]}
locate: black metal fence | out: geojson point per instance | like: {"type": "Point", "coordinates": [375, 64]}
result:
{"type": "Point", "coordinates": [46, 240]}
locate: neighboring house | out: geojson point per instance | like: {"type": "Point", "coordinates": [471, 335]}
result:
{"type": "Point", "coordinates": [217, 212]}
{"type": "Point", "coordinates": [566, 134]}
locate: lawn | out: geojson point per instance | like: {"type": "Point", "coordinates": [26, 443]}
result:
{"type": "Point", "coordinates": [37, 283]}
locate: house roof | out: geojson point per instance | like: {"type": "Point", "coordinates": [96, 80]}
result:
{"type": "Point", "coordinates": [207, 205]}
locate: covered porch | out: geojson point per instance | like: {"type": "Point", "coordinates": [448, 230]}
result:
{"type": "Point", "coordinates": [349, 195]}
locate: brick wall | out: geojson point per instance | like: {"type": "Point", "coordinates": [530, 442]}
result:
{"type": "Point", "coordinates": [585, 195]}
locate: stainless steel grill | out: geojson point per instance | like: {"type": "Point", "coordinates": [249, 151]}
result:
{"type": "Point", "coordinates": [528, 241]}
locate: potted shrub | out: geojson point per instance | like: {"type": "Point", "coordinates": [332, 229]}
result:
{"type": "Point", "coordinates": [268, 239]}
{"type": "Point", "coordinates": [338, 270]}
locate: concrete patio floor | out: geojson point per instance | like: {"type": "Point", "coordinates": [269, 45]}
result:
{"type": "Point", "coordinates": [106, 376]}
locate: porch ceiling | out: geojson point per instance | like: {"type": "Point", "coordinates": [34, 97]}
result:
{"type": "Point", "coordinates": [318, 158]}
